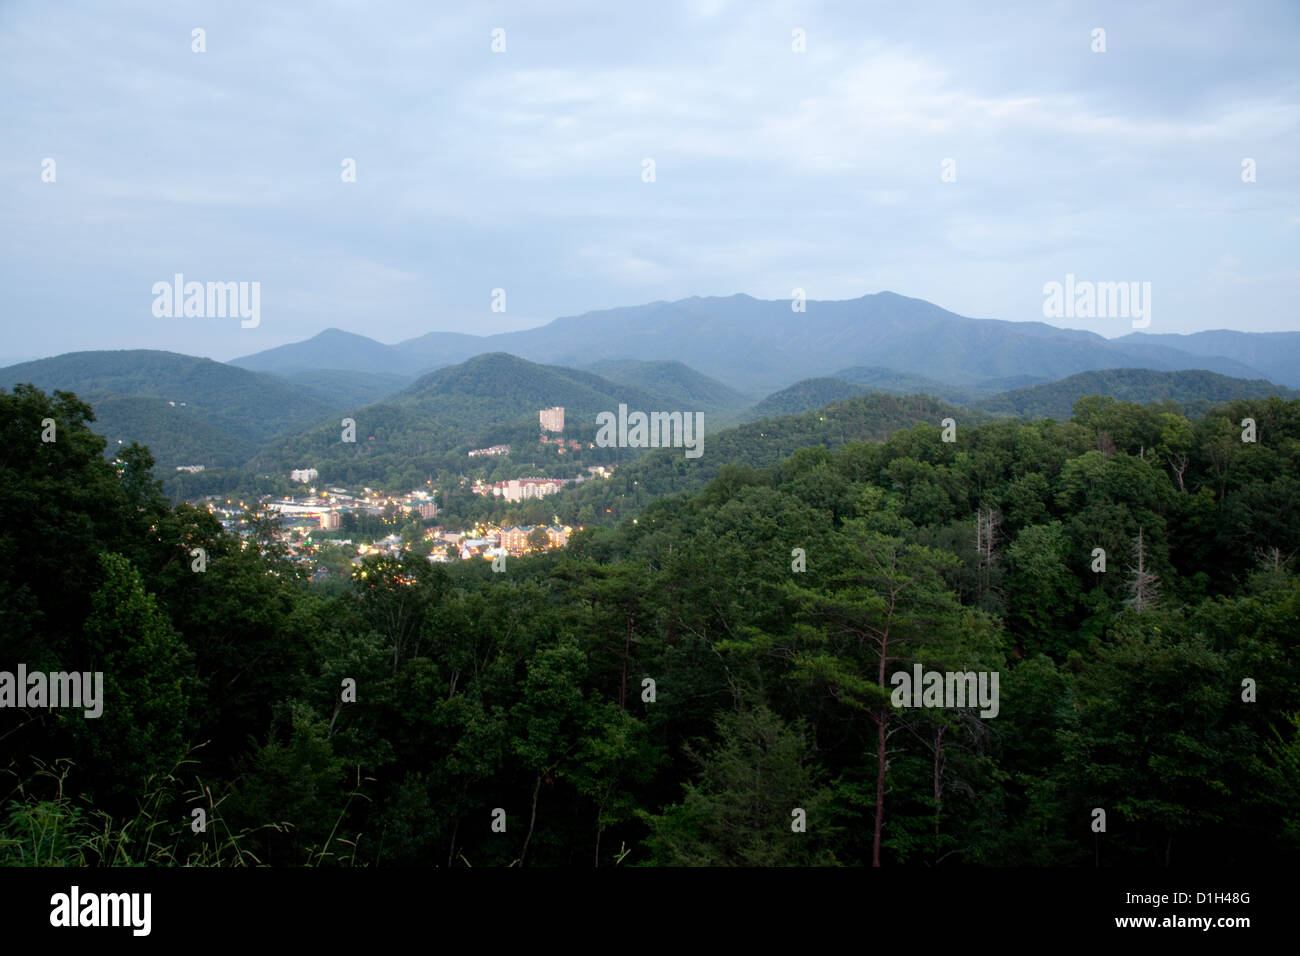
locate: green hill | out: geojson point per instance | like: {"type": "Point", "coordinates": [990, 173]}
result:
{"type": "Point", "coordinates": [676, 382]}
{"type": "Point", "coordinates": [176, 435]}
{"type": "Point", "coordinates": [343, 388]}
{"type": "Point", "coordinates": [872, 417]}
{"type": "Point", "coordinates": [1193, 391]}
{"type": "Point", "coordinates": [429, 426]}
{"type": "Point", "coordinates": [250, 406]}
{"type": "Point", "coordinates": [905, 383]}
{"type": "Point", "coordinates": [804, 396]}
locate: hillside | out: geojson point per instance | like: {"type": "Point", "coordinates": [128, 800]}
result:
{"type": "Point", "coordinates": [872, 417]}
{"type": "Point", "coordinates": [343, 388]}
{"type": "Point", "coordinates": [175, 435]}
{"type": "Point", "coordinates": [430, 425]}
{"type": "Point", "coordinates": [246, 406]}
{"type": "Point", "coordinates": [1275, 354]}
{"type": "Point", "coordinates": [904, 383]}
{"type": "Point", "coordinates": [804, 396]}
{"type": "Point", "coordinates": [506, 386]}
{"type": "Point", "coordinates": [676, 382]}
{"type": "Point", "coordinates": [1194, 391]}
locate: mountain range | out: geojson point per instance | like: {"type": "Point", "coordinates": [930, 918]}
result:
{"type": "Point", "coordinates": [737, 359]}
{"type": "Point", "coordinates": [759, 346]}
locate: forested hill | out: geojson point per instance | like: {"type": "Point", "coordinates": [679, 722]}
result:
{"type": "Point", "coordinates": [806, 395]}
{"type": "Point", "coordinates": [903, 383]}
{"type": "Point", "coordinates": [427, 427]}
{"type": "Point", "coordinates": [666, 691]}
{"type": "Point", "coordinates": [1193, 391]}
{"type": "Point", "coordinates": [754, 445]}
{"type": "Point", "coordinates": [183, 435]}
{"type": "Point", "coordinates": [508, 386]}
{"type": "Point", "coordinates": [678, 383]}
{"type": "Point", "coordinates": [347, 389]}
{"type": "Point", "coordinates": [232, 408]}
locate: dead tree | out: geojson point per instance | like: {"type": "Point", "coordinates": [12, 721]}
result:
{"type": "Point", "coordinates": [1143, 585]}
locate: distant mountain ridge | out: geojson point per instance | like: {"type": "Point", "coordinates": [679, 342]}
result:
{"type": "Point", "coordinates": [760, 346]}
{"type": "Point", "coordinates": [1275, 354]}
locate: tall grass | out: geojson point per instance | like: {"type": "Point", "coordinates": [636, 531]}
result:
{"type": "Point", "coordinates": [41, 824]}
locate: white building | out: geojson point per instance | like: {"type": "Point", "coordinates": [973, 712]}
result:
{"type": "Point", "coordinates": [552, 419]}
{"type": "Point", "coordinates": [521, 489]}
{"type": "Point", "coordinates": [304, 475]}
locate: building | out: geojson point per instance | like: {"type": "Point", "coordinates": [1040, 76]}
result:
{"type": "Point", "coordinates": [575, 446]}
{"type": "Point", "coordinates": [521, 489]}
{"type": "Point", "coordinates": [552, 419]}
{"type": "Point", "coordinates": [192, 469]}
{"type": "Point", "coordinates": [303, 474]}
{"type": "Point", "coordinates": [515, 540]}
{"type": "Point", "coordinates": [492, 450]}
{"type": "Point", "coordinates": [331, 521]}
{"type": "Point", "coordinates": [475, 547]}
{"type": "Point", "coordinates": [427, 511]}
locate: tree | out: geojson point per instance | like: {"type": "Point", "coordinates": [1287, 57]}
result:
{"type": "Point", "coordinates": [1041, 590]}
{"type": "Point", "coordinates": [1150, 738]}
{"type": "Point", "coordinates": [987, 523]}
{"type": "Point", "coordinates": [738, 812]}
{"type": "Point", "coordinates": [887, 605]}
{"type": "Point", "coordinates": [145, 667]}
{"type": "Point", "coordinates": [1143, 585]}
{"type": "Point", "coordinates": [538, 540]}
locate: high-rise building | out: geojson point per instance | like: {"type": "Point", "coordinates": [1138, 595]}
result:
{"type": "Point", "coordinates": [552, 419]}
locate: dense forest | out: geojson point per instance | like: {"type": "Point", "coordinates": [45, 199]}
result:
{"type": "Point", "coordinates": [708, 681]}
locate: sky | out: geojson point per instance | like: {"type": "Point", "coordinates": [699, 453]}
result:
{"type": "Point", "coordinates": [524, 168]}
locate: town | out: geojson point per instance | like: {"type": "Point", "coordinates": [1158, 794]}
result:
{"type": "Point", "coordinates": [329, 529]}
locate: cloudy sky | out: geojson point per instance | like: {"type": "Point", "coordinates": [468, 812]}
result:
{"type": "Point", "coordinates": [523, 169]}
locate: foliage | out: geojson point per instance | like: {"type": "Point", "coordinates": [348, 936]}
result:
{"type": "Point", "coordinates": [668, 689]}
